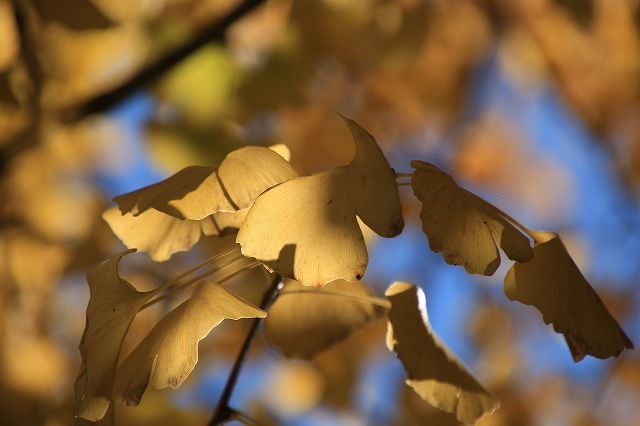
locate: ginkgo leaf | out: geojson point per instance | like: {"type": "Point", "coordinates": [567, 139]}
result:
{"type": "Point", "coordinates": [433, 371]}
{"type": "Point", "coordinates": [169, 352]}
{"type": "Point", "coordinates": [162, 235]}
{"type": "Point", "coordinates": [555, 286]}
{"type": "Point", "coordinates": [316, 216]}
{"type": "Point", "coordinates": [113, 304]}
{"type": "Point", "coordinates": [197, 191]}
{"type": "Point", "coordinates": [463, 226]}
{"type": "Point", "coordinates": [302, 324]}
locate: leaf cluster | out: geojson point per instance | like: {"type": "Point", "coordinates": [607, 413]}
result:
{"type": "Point", "coordinates": [309, 231]}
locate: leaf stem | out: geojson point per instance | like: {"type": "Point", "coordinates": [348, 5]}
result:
{"type": "Point", "coordinates": [198, 266]}
{"type": "Point", "coordinates": [536, 236]}
{"type": "Point", "coordinates": [377, 301]}
{"type": "Point", "coordinates": [223, 412]}
{"type": "Point", "coordinates": [200, 277]}
{"type": "Point", "coordinates": [403, 175]}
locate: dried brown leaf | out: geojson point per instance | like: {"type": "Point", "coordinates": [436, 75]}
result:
{"type": "Point", "coordinates": [162, 235]}
{"type": "Point", "coordinates": [170, 351]}
{"type": "Point", "coordinates": [197, 191]}
{"type": "Point", "coordinates": [306, 228]}
{"type": "Point", "coordinates": [462, 225]}
{"type": "Point", "coordinates": [553, 284]}
{"type": "Point", "coordinates": [433, 371]}
{"type": "Point", "coordinates": [112, 306]}
{"type": "Point", "coordinates": [304, 324]}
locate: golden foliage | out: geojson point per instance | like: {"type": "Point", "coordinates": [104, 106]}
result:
{"type": "Point", "coordinates": [463, 226]}
{"type": "Point", "coordinates": [306, 228]}
{"type": "Point", "coordinates": [433, 371]}
{"type": "Point", "coordinates": [555, 286]}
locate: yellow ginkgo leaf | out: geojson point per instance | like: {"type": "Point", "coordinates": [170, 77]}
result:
{"type": "Point", "coordinates": [113, 304]}
{"type": "Point", "coordinates": [306, 228]}
{"type": "Point", "coordinates": [433, 371]}
{"type": "Point", "coordinates": [197, 191]}
{"type": "Point", "coordinates": [555, 286]}
{"type": "Point", "coordinates": [305, 321]}
{"type": "Point", "coordinates": [162, 235]}
{"type": "Point", "coordinates": [170, 351]}
{"type": "Point", "coordinates": [463, 226]}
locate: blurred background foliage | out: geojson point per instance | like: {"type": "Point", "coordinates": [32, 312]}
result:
{"type": "Point", "coordinates": [532, 104]}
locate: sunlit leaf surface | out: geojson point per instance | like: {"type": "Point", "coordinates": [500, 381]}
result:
{"type": "Point", "coordinates": [433, 371]}
{"type": "Point", "coordinates": [198, 191]}
{"type": "Point", "coordinates": [112, 306]}
{"type": "Point", "coordinates": [162, 235]}
{"type": "Point", "coordinates": [170, 351]}
{"type": "Point", "coordinates": [555, 286]}
{"type": "Point", "coordinates": [313, 218]}
{"type": "Point", "coordinates": [462, 226]}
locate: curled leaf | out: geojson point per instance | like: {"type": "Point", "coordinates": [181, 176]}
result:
{"type": "Point", "coordinates": [305, 320]}
{"type": "Point", "coordinates": [463, 226]}
{"type": "Point", "coordinates": [169, 352]}
{"type": "Point", "coordinates": [162, 235]}
{"type": "Point", "coordinates": [555, 286]}
{"type": "Point", "coordinates": [316, 216]}
{"type": "Point", "coordinates": [433, 371]}
{"type": "Point", "coordinates": [197, 191]}
{"type": "Point", "coordinates": [113, 304]}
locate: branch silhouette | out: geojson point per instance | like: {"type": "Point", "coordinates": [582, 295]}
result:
{"type": "Point", "coordinates": [223, 413]}
{"type": "Point", "coordinates": [214, 32]}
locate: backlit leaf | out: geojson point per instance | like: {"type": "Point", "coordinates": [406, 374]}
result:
{"type": "Point", "coordinates": [197, 191]}
{"type": "Point", "coordinates": [162, 235]}
{"type": "Point", "coordinates": [112, 306]}
{"type": "Point", "coordinates": [170, 351]}
{"type": "Point", "coordinates": [315, 216]}
{"type": "Point", "coordinates": [433, 371]}
{"type": "Point", "coordinates": [463, 226]}
{"type": "Point", "coordinates": [303, 324]}
{"type": "Point", "coordinates": [555, 286]}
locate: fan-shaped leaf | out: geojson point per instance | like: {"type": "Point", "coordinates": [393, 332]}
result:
{"type": "Point", "coordinates": [303, 324]}
{"type": "Point", "coordinates": [197, 191]}
{"type": "Point", "coordinates": [433, 371]}
{"type": "Point", "coordinates": [112, 306]}
{"type": "Point", "coordinates": [462, 225]}
{"type": "Point", "coordinates": [555, 286]}
{"type": "Point", "coordinates": [170, 351]}
{"type": "Point", "coordinates": [316, 216]}
{"type": "Point", "coordinates": [162, 235]}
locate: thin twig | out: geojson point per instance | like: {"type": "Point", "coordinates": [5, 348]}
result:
{"type": "Point", "coordinates": [224, 413]}
{"type": "Point", "coordinates": [403, 175]}
{"type": "Point", "coordinates": [28, 136]}
{"type": "Point", "coordinates": [214, 32]}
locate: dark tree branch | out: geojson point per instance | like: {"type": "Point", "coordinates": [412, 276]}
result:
{"type": "Point", "coordinates": [214, 32]}
{"type": "Point", "coordinates": [28, 136]}
{"type": "Point", "coordinates": [223, 412]}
